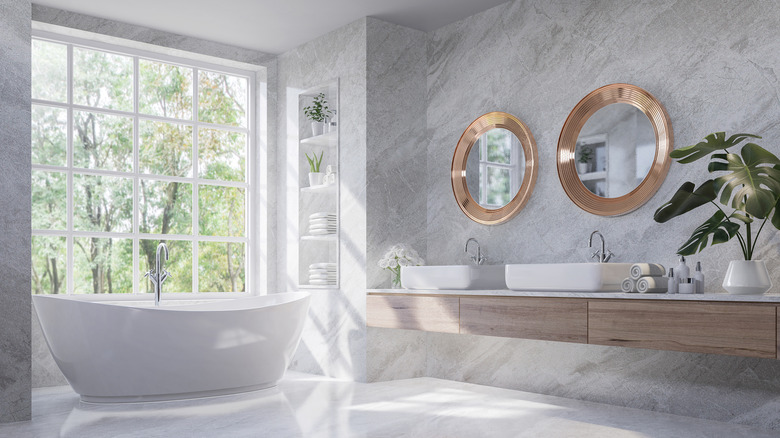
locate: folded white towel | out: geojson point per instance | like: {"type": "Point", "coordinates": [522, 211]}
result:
{"type": "Point", "coordinates": [627, 285]}
{"type": "Point", "coordinates": [322, 214]}
{"type": "Point", "coordinates": [646, 270]}
{"type": "Point", "coordinates": [652, 285]}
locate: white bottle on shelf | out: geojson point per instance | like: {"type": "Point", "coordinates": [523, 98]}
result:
{"type": "Point", "coordinates": [672, 286]}
{"type": "Point", "coordinates": [698, 279]}
{"type": "Point", "coordinates": [682, 272]}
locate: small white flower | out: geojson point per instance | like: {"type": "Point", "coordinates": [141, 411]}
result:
{"type": "Point", "coordinates": [403, 262]}
{"type": "Point", "coordinates": [393, 264]}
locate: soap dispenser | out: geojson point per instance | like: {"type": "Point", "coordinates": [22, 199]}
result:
{"type": "Point", "coordinates": [672, 285]}
{"type": "Point", "coordinates": [698, 279]}
{"type": "Point", "coordinates": [681, 272]}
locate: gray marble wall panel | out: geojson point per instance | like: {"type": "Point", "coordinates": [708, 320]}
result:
{"type": "Point", "coordinates": [15, 301]}
{"type": "Point", "coordinates": [334, 339]}
{"type": "Point", "coordinates": [45, 371]}
{"type": "Point", "coordinates": [536, 59]}
{"type": "Point", "coordinates": [395, 167]}
{"type": "Point", "coordinates": [396, 210]}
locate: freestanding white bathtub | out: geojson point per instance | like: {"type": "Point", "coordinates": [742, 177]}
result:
{"type": "Point", "coordinates": [114, 352]}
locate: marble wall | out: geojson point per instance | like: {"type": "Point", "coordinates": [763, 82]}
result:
{"type": "Point", "coordinates": [15, 301]}
{"type": "Point", "coordinates": [536, 59]}
{"type": "Point", "coordinates": [334, 339]}
{"type": "Point", "coordinates": [396, 143]}
{"type": "Point", "coordinates": [381, 69]}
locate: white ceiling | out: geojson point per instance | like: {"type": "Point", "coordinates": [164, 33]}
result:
{"type": "Point", "coordinates": [271, 26]}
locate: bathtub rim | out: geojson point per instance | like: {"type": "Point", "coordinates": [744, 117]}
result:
{"type": "Point", "coordinates": [182, 305]}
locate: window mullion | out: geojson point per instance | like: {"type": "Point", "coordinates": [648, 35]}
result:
{"type": "Point", "coordinates": [69, 172]}
{"type": "Point", "coordinates": [136, 170]}
{"type": "Point", "coordinates": [196, 176]}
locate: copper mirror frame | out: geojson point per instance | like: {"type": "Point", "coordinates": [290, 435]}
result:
{"type": "Point", "coordinates": [466, 202]}
{"type": "Point", "coordinates": [567, 143]}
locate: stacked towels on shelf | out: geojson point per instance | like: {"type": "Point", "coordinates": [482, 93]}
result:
{"type": "Point", "coordinates": [645, 278]}
{"type": "Point", "coordinates": [322, 274]}
{"type": "Point", "coordinates": [322, 223]}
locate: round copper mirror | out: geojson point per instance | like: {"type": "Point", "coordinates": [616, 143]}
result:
{"type": "Point", "coordinates": [494, 168]}
{"type": "Point", "coordinates": [613, 152]}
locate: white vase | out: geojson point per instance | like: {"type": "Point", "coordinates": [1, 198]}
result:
{"type": "Point", "coordinates": [582, 167]}
{"type": "Point", "coordinates": [316, 128]}
{"type": "Point", "coordinates": [747, 277]}
{"type": "Point", "coordinates": [316, 178]}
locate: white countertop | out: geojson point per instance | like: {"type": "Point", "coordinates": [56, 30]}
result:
{"type": "Point", "coordinates": [724, 297]}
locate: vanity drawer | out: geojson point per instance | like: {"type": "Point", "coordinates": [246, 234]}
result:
{"type": "Point", "coordinates": [548, 319]}
{"type": "Point", "coordinates": [432, 314]}
{"type": "Point", "coordinates": [733, 329]}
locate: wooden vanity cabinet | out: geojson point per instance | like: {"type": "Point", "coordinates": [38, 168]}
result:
{"type": "Point", "coordinates": [716, 327]}
{"type": "Point", "coordinates": [432, 314]}
{"type": "Point", "coordinates": [547, 319]}
{"type": "Point", "coordinates": [720, 328]}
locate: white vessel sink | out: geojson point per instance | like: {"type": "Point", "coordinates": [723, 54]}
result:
{"type": "Point", "coordinates": [453, 277]}
{"type": "Point", "coordinates": [567, 277]}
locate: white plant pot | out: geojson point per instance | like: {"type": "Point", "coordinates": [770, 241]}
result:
{"type": "Point", "coordinates": [316, 178]}
{"type": "Point", "coordinates": [582, 167]}
{"type": "Point", "coordinates": [316, 128]}
{"type": "Point", "coordinates": [747, 277]}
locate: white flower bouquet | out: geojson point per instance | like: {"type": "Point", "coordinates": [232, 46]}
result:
{"type": "Point", "coordinates": [397, 256]}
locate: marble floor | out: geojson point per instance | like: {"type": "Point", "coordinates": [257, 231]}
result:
{"type": "Point", "coordinates": [312, 406]}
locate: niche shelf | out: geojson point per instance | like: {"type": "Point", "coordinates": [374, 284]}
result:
{"type": "Point", "coordinates": [313, 249]}
{"type": "Point", "coordinates": [319, 189]}
{"type": "Point", "coordinates": [323, 140]}
{"type": "Point", "coordinates": [322, 238]}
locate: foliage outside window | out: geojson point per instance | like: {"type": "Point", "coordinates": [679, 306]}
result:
{"type": "Point", "coordinates": [128, 151]}
{"type": "Point", "coordinates": [500, 161]}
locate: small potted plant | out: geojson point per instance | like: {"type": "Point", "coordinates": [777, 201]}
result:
{"type": "Point", "coordinates": [747, 186]}
{"type": "Point", "coordinates": [396, 257]}
{"type": "Point", "coordinates": [315, 176]}
{"type": "Point", "coordinates": [583, 162]}
{"type": "Point", "coordinates": [318, 112]}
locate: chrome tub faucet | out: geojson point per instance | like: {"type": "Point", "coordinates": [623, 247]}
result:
{"type": "Point", "coordinates": [158, 275]}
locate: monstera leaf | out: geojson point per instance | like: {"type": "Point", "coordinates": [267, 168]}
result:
{"type": "Point", "coordinates": [712, 143]}
{"type": "Point", "coordinates": [718, 226]}
{"type": "Point", "coordinates": [753, 182]}
{"type": "Point", "coordinates": [686, 199]}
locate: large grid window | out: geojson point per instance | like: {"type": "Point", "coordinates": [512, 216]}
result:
{"type": "Point", "coordinates": [131, 150]}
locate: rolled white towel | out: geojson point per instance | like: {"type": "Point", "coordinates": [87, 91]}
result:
{"type": "Point", "coordinates": [639, 270]}
{"type": "Point", "coordinates": [652, 285]}
{"type": "Point", "coordinates": [628, 285]}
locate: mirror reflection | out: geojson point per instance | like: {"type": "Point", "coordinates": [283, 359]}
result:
{"type": "Point", "coordinates": [615, 150]}
{"type": "Point", "coordinates": [495, 168]}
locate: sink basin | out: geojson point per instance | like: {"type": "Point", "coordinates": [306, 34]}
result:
{"type": "Point", "coordinates": [453, 277]}
{"type": "Point", "coordinates": [567, 277]}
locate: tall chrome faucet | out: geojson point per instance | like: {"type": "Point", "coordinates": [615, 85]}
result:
{"type": "Point", "coordinates": [603, 254]}
{"type": "Point", "coordinates": [477, 258]}
{"type": "Point", "coordinates": [158, 275]}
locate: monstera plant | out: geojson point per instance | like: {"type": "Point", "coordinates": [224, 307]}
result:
{"type": "Point", "coordinates": [746, 186]}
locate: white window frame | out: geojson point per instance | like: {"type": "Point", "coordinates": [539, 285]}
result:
{"type": "Point", "coordinates": [249, 185]}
